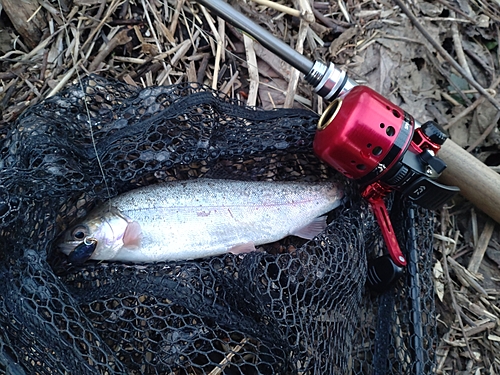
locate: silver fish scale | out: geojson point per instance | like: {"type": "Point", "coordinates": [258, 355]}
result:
{"type": "Point", "coordinates": [199, 218]}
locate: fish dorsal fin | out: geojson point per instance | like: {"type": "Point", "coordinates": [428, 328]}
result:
{"type": "Point", "coordinates": [132, 235]}
{"type": "Point", "coordinates": [312, 229]}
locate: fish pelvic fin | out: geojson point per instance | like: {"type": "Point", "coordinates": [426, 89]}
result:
{"type": "Point", "coordinates": [243, 248]}
{"type": "Point", "coordinates": [132, 235]}
{"type": "Point", "coordinates": [312, 229]}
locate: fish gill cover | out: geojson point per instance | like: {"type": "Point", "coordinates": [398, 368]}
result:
{"type": "Point", "coordinates": [298, 307]}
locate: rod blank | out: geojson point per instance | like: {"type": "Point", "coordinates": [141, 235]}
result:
{"type": "Point", "coordinates": [264, 37]}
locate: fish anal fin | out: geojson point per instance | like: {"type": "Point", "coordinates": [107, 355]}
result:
{"type": "Point", "coordinates": [243, 248]}
{"type": "Point", "coordinates": [132, 235]}
{"type": "Point", "coordinates": [312, 229]}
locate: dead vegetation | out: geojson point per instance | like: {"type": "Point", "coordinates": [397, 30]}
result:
{"type": "Point", "coordinates": [44, 45]}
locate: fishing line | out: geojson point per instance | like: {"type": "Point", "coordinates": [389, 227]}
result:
{"type": "Point", "coordinates": [77, 63]}
{"type": "Point", "coordinates": [94, 145]}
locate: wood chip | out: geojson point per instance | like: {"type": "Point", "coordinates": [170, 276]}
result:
{"type": "Point", "coordinates": [482, 245]}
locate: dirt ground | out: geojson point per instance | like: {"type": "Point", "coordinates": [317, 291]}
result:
{"type": "Point", "coordinates": [45, 45]}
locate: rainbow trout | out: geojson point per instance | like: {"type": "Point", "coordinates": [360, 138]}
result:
{"type": "Point", "coordinates": [199, 218]}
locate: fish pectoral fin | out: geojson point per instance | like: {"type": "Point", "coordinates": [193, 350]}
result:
{"type": "Point", "coordinates": [312, 229]}
{"type": "Point", "coordinates": [132, 235]}
{"type": "Point", "coordinates": [243, 248]}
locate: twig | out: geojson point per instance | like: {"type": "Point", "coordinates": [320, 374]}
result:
{"type": "Point", "coordinates": [446, 271]}
{"type": "Point", "coordinates": [473, 106]}
{"type": "Point", "coordinates": [100, 11]}
{"type": "Point", "coordinates": [219, 46]}
{"type": "Point", "coordinates": [225, 361]}
{"type": "Point", "coordinates": [33, 88]}
{"type": "Point", "coordinates": [253, 70]}
{"type": "Point", "coordinates": [182, 50]}
{"type": "Point", "coordinates": [271, 99]}
{"type": "Point", "coordinates": [279, 7]}
{"type": "Point", "coordinates": [227, 87]}
{"type": "Point", "coordinates": [451, 99]}
{"type": "Point", "coordinates": [442, 353]}
{"type": "Point", "coordinates": [489, 325]}
{"type": "Point", "coordinates": [447, 56]}
{"type": "Point", "coordinates": [446, 73]}
{"type": "Point", "coordinates": [327, 21]}
{"type": "Point", "coordinates": [306, 11]}
{"type": "Point", "coordinates": [473, 91]}
{"type": "Point", "coordinates": [344, 11]}
{"type": "Point", "coordinates": [482, 244]}
{"type": "Point", "coordinates": [475, 230]}
{"type": "Point", "coordinates": [151, 28]}
{"type": "Point", "coordinates": [476, 309]}
{"type": "Point", "coordinates": [124, 10]}
{"type": "Point", "coordinates": [459, 50]}
{"type": "Point", "coordinates": [464, 113]}
{"type": "Point", "coordinates": [299, 47]}
{"type": "Point", "coordinates": [222, 33]}
{"type": "Point", "coordinates": [466, 278]}
{"type": "Point", "coordinates": [457, 10]}
{"type": "Point", "coordinates": [444, 19]}
{"type": "Point", "coordinates": [175, 17]}
{"type": "Point", "coordinates": [43, 44]}
{"type": "Point", "coordinates": [203, 66]}
{"type": "Point", "coordinates": [62, 82]}
{"type": "Point", "coordinates": [111, 9]}
{"type": "Point", "coordinates": [485, 134]}
{"type": "Point", "coordinates": [454, 301]}
{"type": "Point", "coordinates": [118, 40]}
{"type": "Point", "coordinates": [191, 72]}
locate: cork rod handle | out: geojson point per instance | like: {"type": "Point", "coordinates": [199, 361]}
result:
{"type": "Point", "coordinates": [478, 183]}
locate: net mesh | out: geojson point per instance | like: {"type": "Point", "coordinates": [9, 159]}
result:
{"type": "Point", "coordinates": [298, 307]}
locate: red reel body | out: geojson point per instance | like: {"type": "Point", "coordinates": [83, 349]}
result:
{"type": "Point", "coordinates": [367, 138]}
{"type": "Point", "coordinates": [362, 134]}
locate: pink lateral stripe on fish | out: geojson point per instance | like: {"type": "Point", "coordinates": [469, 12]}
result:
{"type": "Point", "coordinates": [199, 218]}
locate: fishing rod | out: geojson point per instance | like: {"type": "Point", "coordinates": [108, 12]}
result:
{"type": "Point", "coordinates": [368, 138]}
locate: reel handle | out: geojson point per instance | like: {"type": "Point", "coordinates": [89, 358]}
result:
{"type": "Point", "coordinates": [477, 182]}
{"type": "Point", "coordinates": [382, 216]}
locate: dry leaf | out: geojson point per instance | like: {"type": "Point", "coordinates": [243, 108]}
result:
{"type": "Point", "coordinates": [438, 273]}
{"type": "Point", "coordinates": [492, 337]}
{"type": "Point", "coordinates": [345, 37]}
{"type": "Point", "coordinates": [459, 134]}
{"type": "Point", "coordinates": [433, 9]}
{"type": "Point", "coordinates": [483, 21]}
{"type": "Point", "coordinates": [149, 49]}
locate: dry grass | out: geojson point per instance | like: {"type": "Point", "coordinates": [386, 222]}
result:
{"type": "Point", "coordinates": [148, 43]}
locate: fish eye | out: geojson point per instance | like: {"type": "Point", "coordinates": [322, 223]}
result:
{"type": "Point", "coordinates": [80, 232]}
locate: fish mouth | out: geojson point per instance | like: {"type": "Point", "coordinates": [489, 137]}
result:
{"type": "Point", "coordinates": [68, 247]}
